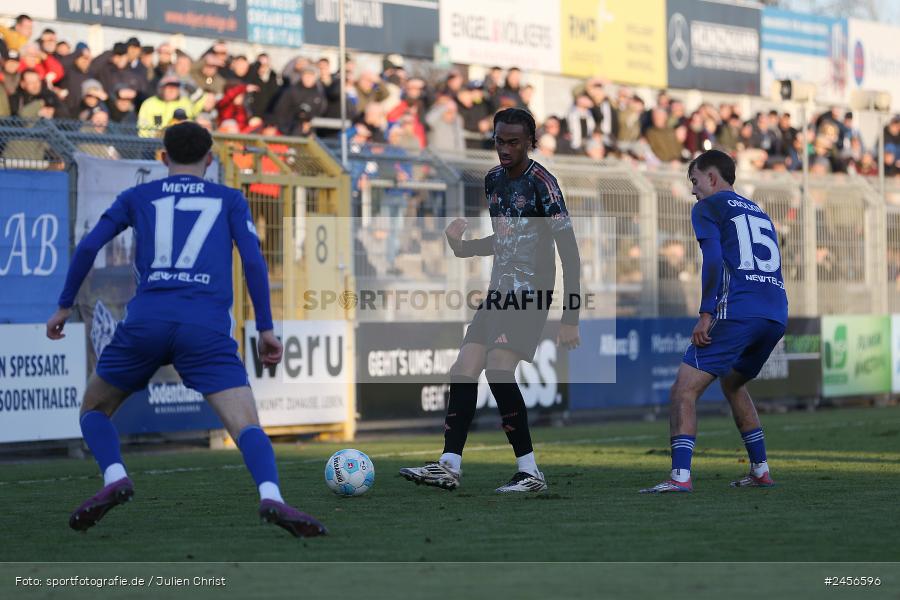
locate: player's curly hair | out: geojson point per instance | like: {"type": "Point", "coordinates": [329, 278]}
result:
{"type": "Point", "coordinates": [518, 116]}
{"type": "Point", "coordinates": [723, 163]}
{"type": "Point", "coordinates": [187, 143]}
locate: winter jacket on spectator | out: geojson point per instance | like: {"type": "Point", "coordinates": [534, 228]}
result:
{"type": "Point", "coordinates": [45, 65]}
{"type": "Point", "coordinates": [157, 111]}
{"type": "Point", "coordinates": [123, 107]}
{"type": "Point", "coordinates": [207, 78]}
{"type": "Point", "coordinates": [14, 40]}
{"type": "Point", "coordinates": [10, 81]}
{"type": "Point", "coordinates": [892, 133]}
{"type": "Point", "coordinates": [630, 121]}
{"type": "Point", "coordinates": [93, 98]}
{"type": "Point", "coordinates": [263, 77]}
{"type": "Point", "coordinates": [76, 74]}
{"type": "Point", "coordinates": [333, 98]}
{"type": "Point", "coordinates": [369, 89]}
{"type": "Point", "coordinates": [445, 126]}
{"type": "Point", "coordinates": [298, 103]}
{"type": "Point", "coordinates": [579, 123]}
{"type": "Point", "coordinates": [231, 106]}
{"type": "Point", "coordinates": [664, 144]}
{"type": "Point", "coordinates": [729, 134]}
{"type": "Point", "coordinates": [112, 77]}
{"type": "Point", "coordinates": [26, 105]}
{"type": "Point", "coordinates": [607, 119]}
{"type": "Point", "coordinates": [5, 109]}
{"type": "Point", "coordinates": [474, 111]}
{"type": "Point", "coordinates": [408, 116]}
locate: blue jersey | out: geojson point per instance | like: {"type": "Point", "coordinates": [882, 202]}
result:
{"type": "Point", "coordinates": [751, 284]}
{"type": "Point", "coordinates": [183, 229]}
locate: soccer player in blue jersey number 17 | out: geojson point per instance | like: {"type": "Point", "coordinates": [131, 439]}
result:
{"type": "Point", "coordinates": [184, 229]}
{"type": "Point", "coordinates": [743, 313]}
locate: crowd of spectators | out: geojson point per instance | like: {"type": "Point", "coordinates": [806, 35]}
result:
{"type": "Point", "coordinates": [151, 87]}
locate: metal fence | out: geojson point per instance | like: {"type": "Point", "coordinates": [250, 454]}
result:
{"type": "Point", "coordinates": [400, 201]}
{"type": "Point", "coordinates": [840, 243]}
{"type": "Point", "coordinates": [840, 246]}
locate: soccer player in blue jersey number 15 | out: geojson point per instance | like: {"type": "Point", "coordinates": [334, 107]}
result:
{"type": "Point", "coordinates": [184, 229]}
{"type": "Point", "coordinates": [743, 313]}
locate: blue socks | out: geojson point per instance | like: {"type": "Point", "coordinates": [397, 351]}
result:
{"type": "Point", "coordinates": [755, 443]}
{"type": "Point", "coordinates": [258, 455]}
{"type": "Point", "coordinates": [102, 438]}
{"type": "Point", "coordinates": [682, 452]}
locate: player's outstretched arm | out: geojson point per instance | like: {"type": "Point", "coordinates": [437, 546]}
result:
{"type": "Point", "coordinates": [467, 248]}
{"type": "Point", "coordinates": [105, 230]}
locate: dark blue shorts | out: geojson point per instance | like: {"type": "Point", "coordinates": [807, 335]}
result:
{"type": "Point", "coordinates": [206, 360]}
{"type": "Point", "coordinates": [740, 344]}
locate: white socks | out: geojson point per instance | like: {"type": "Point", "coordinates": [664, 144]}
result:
{"type": "Point", "coordinates": [113, 473]}
{"type": "Point", "coordinates": [454, 461]}
{"type": "Point", "coordinates": [759, 469]}
{"type": "Point", "coordinates": [526, 464]}
{"type": "Point", "coordinates": [270, 491]}
{"type": "Point", "coordinates": [681, 475]}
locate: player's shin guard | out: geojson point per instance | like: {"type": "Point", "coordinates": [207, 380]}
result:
{"type": "Point", "coordinates": [260, 459]}
{"type": "Point", "coordinates": [102, 438]}
{"type": "Point", "coordinates": [512, 410]}
{"type": "Point", "coordinates": [460, 412]}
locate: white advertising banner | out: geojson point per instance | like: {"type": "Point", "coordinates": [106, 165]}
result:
{"type": "Point", "coordinates": [504, 33]}
{"type": "Point", "coordinates": [41, 383]}
{"type": "Point", "coordinates": [312, 382]}
{"type": "Point", "coordinates": [874, 61]}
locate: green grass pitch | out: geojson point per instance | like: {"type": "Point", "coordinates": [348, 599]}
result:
{"type": "Point", "coordinates": [836, 500]}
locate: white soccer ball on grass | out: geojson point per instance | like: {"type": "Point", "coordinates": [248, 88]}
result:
{"type": "Point", "coordinates": [349, 472]}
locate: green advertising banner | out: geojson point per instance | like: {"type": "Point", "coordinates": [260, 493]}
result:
{"type": "Point", "coordinates": [856, 355]}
